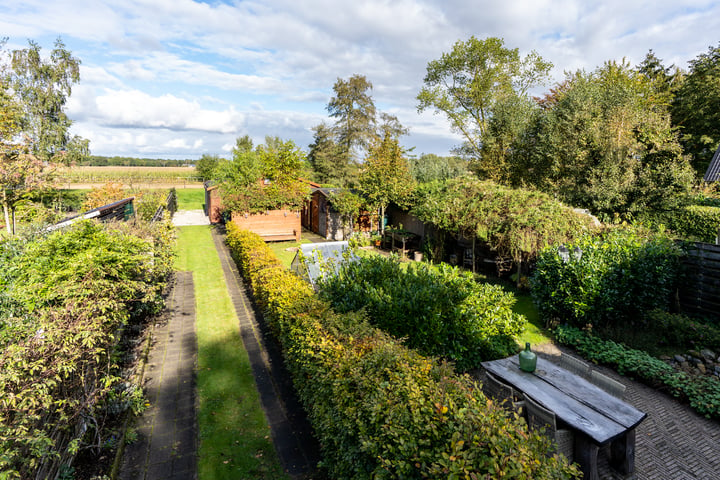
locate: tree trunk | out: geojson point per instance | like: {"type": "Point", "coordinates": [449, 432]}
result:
{"type": "Point", "coordinates": [519, 273]}
{"type": "Point", "coordinates": [381, 220]}
{"type": "Point", "coordinates": [12, 214]}
{"type": "Point", "coordinates": [6, 210]}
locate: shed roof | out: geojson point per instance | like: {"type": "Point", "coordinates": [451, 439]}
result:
{"type": "Point", "coordinates": [713, 172]}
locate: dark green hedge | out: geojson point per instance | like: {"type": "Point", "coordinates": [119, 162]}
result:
{"type": "Point", "coordinates": [620, 276]}
{"type": "Point", "coordinates": [440, 310]}
{"type": "Point", "coordinates": [696, 222]}
{"type": "Point", "coordinates": [379, 409]}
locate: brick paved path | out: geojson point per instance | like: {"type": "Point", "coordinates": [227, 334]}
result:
{"type": "Point", "coordinates": [166, 448]}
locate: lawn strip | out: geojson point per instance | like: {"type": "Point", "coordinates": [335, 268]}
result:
{"type": "Point", "coordinates": [235, 438]}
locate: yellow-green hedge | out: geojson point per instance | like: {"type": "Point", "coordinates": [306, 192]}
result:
{"type": "Point", "coordinates": [381, 410]}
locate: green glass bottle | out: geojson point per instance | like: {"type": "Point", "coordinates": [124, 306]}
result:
{"type": "Point", "coordinates": [528, 359]}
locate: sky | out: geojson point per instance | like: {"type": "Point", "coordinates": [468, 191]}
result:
{"type": "Point", "coordinates": [180, 78]}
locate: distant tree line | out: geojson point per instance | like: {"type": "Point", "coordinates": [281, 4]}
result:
{"type": "Point", "coordinates": [117, 161]}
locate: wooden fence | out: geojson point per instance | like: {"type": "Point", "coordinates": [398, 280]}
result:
{"type": "Point", "coordinates": [700, 291]}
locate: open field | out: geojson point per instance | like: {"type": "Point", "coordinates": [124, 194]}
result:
{"type": "Point", "coordinates": [155, 177]}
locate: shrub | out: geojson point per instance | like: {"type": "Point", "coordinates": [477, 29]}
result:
{"type": "Point", "coordinates": [67, 299]}
{"type": "Point", "coordinates": [682, 331]}
{"type": "Point", "coordinates": [441, 310]}
{"type": "Point", "coordinates": [696, 222]}
{"type": "Point", "coordinates": [379, 409]}
{"type": "Point", "coordinates": [703, 393]}
{"type": "Point", "coordinates": [620, 276]}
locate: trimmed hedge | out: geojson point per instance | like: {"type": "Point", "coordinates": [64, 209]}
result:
{"type": "Point", "coordinates": [379, 409]}
{"type": "Point", "coordinates": [696, 222]}
{"type": "Point", "coordinates": [441, 310]}
{"type": "Point", "coordinates": [703, 393]}
{"type": "Point", "coordinates": [620, 276]}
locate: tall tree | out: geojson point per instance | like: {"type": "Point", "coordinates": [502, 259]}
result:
{"type": "Point", "coordinates": [354, 111]}
{"type": "Point", "coordinates": [606, 143]}
{"type": "Point", "coordinates": [472, 82]}
{"type": "Point", "coordinates": [696, 109]}
{"type": "Point", "coordinates": [385, 176]}
{"type": "Point", "coordinates": [43, 87]}
{"type": "Point", "coordinates": [206, 166]}
{"type": "Point", "coordinates": [330, 165]}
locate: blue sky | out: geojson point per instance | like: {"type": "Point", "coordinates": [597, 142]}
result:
{"type": "Point", "coordinates": [182, 78]}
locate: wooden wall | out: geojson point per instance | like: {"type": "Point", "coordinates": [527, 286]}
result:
{"type": "Point", "coordinates": [700, 290]}
{"type": "Point", "coordinates": [271, 225]}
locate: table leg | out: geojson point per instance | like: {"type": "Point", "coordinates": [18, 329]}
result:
{"type": "Point", "coordinates": [586, 453]}
{"type": "Point", "coordinates": [622, 452]}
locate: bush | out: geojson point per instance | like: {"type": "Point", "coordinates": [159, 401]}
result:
{"type": "Point", "coordinates": [381, 410]}
{"type": "Point", "coordinates": [703, 393]}
{"type": "Point", "coordinates": [696, 222]}
{"type": "Point", "coordinates": [682, 331]}
{"type": "Point", "coordinates": [441, 310]}
{"type": "Point", "coordinates": [619, 278]}
{"type": "Point", "coordinates": [67, 298]}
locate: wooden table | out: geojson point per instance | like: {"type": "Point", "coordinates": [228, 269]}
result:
{"type": "Point", "coordinates": [596, 417]}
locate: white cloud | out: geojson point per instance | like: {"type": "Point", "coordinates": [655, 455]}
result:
{"type": "Point", "coordinates": [184, 75]}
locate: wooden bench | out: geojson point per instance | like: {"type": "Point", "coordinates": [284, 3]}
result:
{"type": "Point", "coordinates": [280, 236]}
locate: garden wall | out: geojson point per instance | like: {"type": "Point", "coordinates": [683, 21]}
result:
{"type": "Point", "coordinates": [700, 292]}
{"type": "Point", "coordinates": [272, 225]}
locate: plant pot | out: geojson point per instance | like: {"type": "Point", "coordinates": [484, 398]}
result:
{"type": "Point", "coordinates": [418, 256]}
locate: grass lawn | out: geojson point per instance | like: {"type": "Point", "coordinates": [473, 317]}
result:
{"type": "Point", "coordinates": [234, 435]}
{"type": "Point", "coordinates": [190, 198]}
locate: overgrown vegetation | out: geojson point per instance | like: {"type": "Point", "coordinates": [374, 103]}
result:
{"type": "Point", "coordinates": [440, 310]}
{"type": "Point", "coordinates": [514, 223]}
{"type": "Point", "coordinates": [379, 409]}
{"type": "Point", "coordinates": [68, 301]}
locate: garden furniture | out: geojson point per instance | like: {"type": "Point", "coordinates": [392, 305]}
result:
{"type": "Point", "coordinates": [540, 418]}
{"type": "Point", "coordinates": [503, 394]}
{"type": "Point", "coordinates": [613, 387]}
{"type": "Point", "coordinates": [578, 367]}
{"type": "Point", "coordinates": [596, 417]}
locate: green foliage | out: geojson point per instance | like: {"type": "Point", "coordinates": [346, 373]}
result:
{"type": "Point", "coordinates": [206, 166]}
{"type": "Point", "coordinates": [696, 222]}
{"type": "Point", "coordinates": [696, 108]}
{"type": "Point", "coordinates": [703, 393]}
{"type": "Point", "coordinates": [515, 223]}
{"type": "Point", "coordinates": [604, 141]}
{"type": "Point", "coordinates": [68, 299]}
{"type": "Point", "coordinates": [262, 179]}
{"type": "Point", "coordinates": [474, 82]}
{"type": "Point", "coordinates": [619, 278]}
{"type": "Point", "coordinates": [42, 87]}
{"type": "Point", "coordinates": [354, 111]}
{"type": "Point", "coordinates": [429, 167]}
{"type": "Point", "coordinates": [329, 162]}
{"type": "Point", "coordinates": [680, 331]}
{"type": "Point", "coordinates": [379, 409]}
{"type": "Point", "coordinates": [385, 177]}
{"type": "Point", "coordinates": [441, 310]}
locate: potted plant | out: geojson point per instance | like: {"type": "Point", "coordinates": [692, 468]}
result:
{"type": "Point", "coordinates": [376, 240]}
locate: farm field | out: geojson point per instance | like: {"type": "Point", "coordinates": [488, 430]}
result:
{"type": "Point", "coordinates": [156, 177]}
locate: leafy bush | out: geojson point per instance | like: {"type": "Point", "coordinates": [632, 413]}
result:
{"type": "Point", "coordinates": [620, 276]}
{"type": "Point", "coordinates": [67, 298]}
{"type": "Point", "coordinates": [702, 392]}
{"type": "Point", "coordinates": [441, 310]}
{"type": "Point", "coordinates": [696, 222]}
{"type": "Point", "coordinates": [682, 331]}
{"type": "Point", "coordinates": [379, 409]}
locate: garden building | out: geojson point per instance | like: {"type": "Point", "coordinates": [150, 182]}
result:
{"type": "Point", "coordinates": [713, 172]}
{"type": "Point", "coordinates": [315, 260]}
